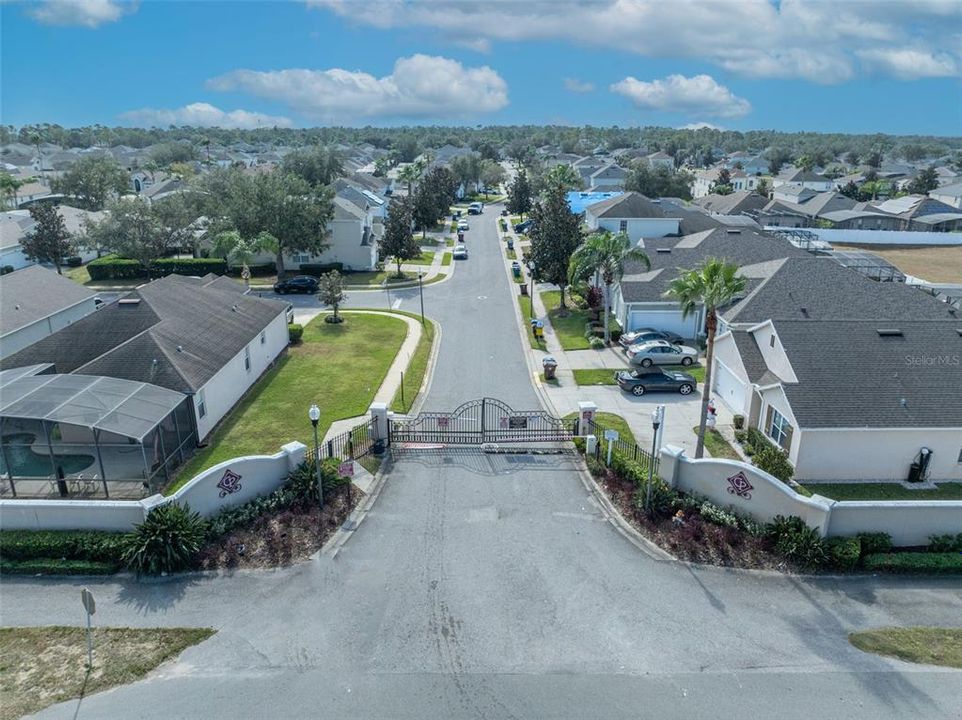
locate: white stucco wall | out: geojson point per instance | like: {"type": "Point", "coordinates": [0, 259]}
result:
{"type": "Point", "coordinates": [29, 334]}
{"type": "Point", "coordinates": [345, 247]}
{"type": "Point", "coordinates": [638, 228]}
{"type": "Point", "coordinates": [775, 357]}
{"type": "Point", "coordinates": [909, 522]}
{"type": "Point", "coordinates": [109, 515]}
{"type": "Point", "coordinates": [887, 237]}
{"type": "Point", "coordinates": [876, 453]}
{"type": "Point", "coordinates": [230, 383]}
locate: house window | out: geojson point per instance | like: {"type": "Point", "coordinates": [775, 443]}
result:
{"type": "Point", "coordinates": [201, 404]}
{"type": "Point", "coordinates": [960, 455]}
{"type": "Point", "coordinates": [247, 358]}
{"type": "Point", "coordinates": [771, 341]}
{"type": "Point", "coordinates": [263, 337]}
{"type": "Point", "coordinates": [778, 428]}
{"type": "Point", "coordinates": [301, 257]}
{"type": "Point", "coordinates": [623, 226]}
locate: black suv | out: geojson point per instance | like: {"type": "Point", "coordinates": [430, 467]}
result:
{"type": "Point", "coordinates": [299, 284]}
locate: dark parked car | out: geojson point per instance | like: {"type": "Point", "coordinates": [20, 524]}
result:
{"type": "Point", "coordinates": [298, 284]}
{"type": "Point", "coordinates": [523, 227]}
{"type": "Point", "coordinates": [646, 334]}
{"type": "Point", "coordinates": [638, 382]}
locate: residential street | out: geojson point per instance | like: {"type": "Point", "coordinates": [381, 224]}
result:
{"type": "Point", "coordinates": [492, 586]}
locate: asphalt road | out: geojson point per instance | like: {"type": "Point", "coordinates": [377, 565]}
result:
{"type": "Point", "coordinates": [491, 586]}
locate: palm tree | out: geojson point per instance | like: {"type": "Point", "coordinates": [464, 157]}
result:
{"type": "Point", "coordinates": [606, 255]}
{"type": "Point", "coordinates": [712, 286]}
{"type": "Point", "coordinates": [235, 249]}
{"type": "Point", "coordinates": [411, 173]}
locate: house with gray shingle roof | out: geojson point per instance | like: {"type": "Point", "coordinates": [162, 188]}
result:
{"type": "Point", "coordinates": [851, 377]}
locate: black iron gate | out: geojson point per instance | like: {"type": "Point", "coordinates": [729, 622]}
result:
{"type": "Point", "coordinates": [477, 422]}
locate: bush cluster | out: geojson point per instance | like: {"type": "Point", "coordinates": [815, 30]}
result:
{"type": "Point", "coordinates": [774, 461]}
{"type": "Point", "coordinates": [257, 270]}
{"type": "Point", "coordinates": [844, 553]}
{"type": "Point", "coordinates": [74, 261]}
{"type": "Point", "coordinates": [92, 546]}
{"type": "Point", "coordinates": [318, 269]}
{"type": "Point", "coordinates": [945, 543]}
{"type": "Point", "coordinates": [793, 539]}
{"type": "Point", "coordinates": [909, 562]}
{"type": "Point", "coordinates": [166, 541]}
{"type": "Point", "coordinates": [111, 267]}
{"type": "Point", "coordinates": [294, 332]}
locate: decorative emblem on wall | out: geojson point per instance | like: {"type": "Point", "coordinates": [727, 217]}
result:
{"type": "Point", "coordinates": [229, 483]}
{"type": "Point", "coordinates": [738, 485]}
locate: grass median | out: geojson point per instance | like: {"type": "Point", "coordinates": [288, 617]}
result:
{"type": "Point", "coordinates": [569, 324]}
{"type": "Point", "coordinates": [340, 367]}
{"type": "Point", "coordinates": [416, 369]}
{"type": "Point", "coordinates": [524, 307]}
{"type": "Point", "coordinates": [885, 491]}
{"type": "Point", "coordinates": [47, 665]}
{"type": "Point", "coordinates": [926, 645]}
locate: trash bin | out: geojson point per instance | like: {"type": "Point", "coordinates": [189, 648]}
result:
{"type": "Point", "coordinates": [510, 244]}
{"type": "Point", "coordinates": [516, 269]}
{"type": "Point", "coordinates": [457, 214]}
{"type": "Point", "coordinates": [550, 365]}
{"type": "Point", "coordinates": [524, 289]}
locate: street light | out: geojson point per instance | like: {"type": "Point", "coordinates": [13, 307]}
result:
{"type": "Point", "coordinates": [421, 290]}
{"type": "Point", "coordinates": [315, 414]}
{"type": "Point", "coordinates": [531, 294]}
{"type": "Point", "coordinates": [657, 416]}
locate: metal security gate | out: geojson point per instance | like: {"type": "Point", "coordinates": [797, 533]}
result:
{"type": "Point", "coordinates": [477, 422]}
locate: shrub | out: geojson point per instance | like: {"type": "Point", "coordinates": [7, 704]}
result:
{"type": "Point", "coordinates": [662, 497]}
{"type": "Point", "coordinates": [318, 269]}
{"type": "Point", "coordinates": [596, 467]}
{"type": "Point", "coordinates": [844, 552]}
{"type": "Point", "coordinates": [294, 332]}
{"type": "Point", "coordinates": [738, 421]}
{"type": "Point", "coordinates": [717, 516]}
{"type": "Point", "coordinates": [909, 562]}
{"type": "Point", "coordinates": [111, 267]}
{"type": "Point", "coordinates": [774, 461]}
{"type": "Point", "coordinates": [257, 270]}
{"type": "Point", "coordinates": [756, 439]}
{"type": "Point", "coordinates": [52, 566]}
{"type": "Point", "coordinates": [873, 543]}
{"type": "Point", "coordinates": [596, 343]}
{"type": "Point", "coordinates": [945, 543]}
{"type": "Point", "coordinates": [794, 540]}
{"type": "Point", "coordinates": [75, 261]}
{"type": "Point", "coordinates": [85, 545]}
{"type": "Point", "coordinates": [740, 436]}
{"type": "Point", "coordinates": [166, 541]}
{"type": "Point", "coordinates": [615, 333]}
{"type": "Point", "coordinates": [6, 269]}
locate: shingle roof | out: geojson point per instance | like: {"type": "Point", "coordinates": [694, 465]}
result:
{"type": "Point", "coordinates": [178, 335]}
{"type": "Point", "coordinates": [741, 246]}
{"type": "Point", "coordinates": [819, 288]}
{"type": "Point", "coordinates": [627, 205]}
{"type": "Point", "coordinates": [850, 376]}
{"type": "Point", "coordinates": [734, 203]}
{"type": "Point", "coordinates": [751, 356]}
{"type": "Point", "coordinates": [33, 293]}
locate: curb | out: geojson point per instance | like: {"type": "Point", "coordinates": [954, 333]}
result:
{"type": "Point", "coordinates": [340, 537]}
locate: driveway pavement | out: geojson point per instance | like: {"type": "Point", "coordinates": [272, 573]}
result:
{"type": "Point", "coordinates": [491, 586]}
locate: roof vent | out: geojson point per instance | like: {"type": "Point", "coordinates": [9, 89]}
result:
{"type": "Point", "coordinates": [804, 311]}
{"type": "Point", "coordinates": [234, 308]}
{"type": "Point", "coordinates": [733, 231]}
{"type": "Point", "coordinates": [17, 306]}
{"type": "Point", "coordinates": [180, 348]}
{"type": "Point", "coordinates": [663, 251]}
{"type": "Point", "coordinates": [889, 332]}
{"type": "Point", "coordinates": [128, 302]}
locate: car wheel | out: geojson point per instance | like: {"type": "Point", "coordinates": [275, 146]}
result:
{"type": "Point", "coordinates": [638, 390]}
{"type": "Point", "coordinates": [686, 361]}
{"type": "Point", "coordinates": [685, 389]}
{"type": "Point", "coordinates": [646, 362]}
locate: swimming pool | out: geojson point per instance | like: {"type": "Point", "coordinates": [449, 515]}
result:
{"type": "Point", "coordinates": [578, 201]}
{"type": "Point", "coordinates": [24, 462]}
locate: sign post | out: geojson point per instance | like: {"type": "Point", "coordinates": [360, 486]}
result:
{"type": "Point", "coordinates": [90, 605]}
{"type": "Point", "coordinates": [611, 436]}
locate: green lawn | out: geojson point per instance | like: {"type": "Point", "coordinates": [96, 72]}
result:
{"type": "Point", "coordinates": [81, 276]}
{"type": "Point", "coordinates": [378, 277]}
{"type": "Point", "coordinates": [595, 376]}
{"type": "Point", "coordinates": [446, 260]}
{"type": "Point", "coordinates": [426, 258]}
{"type": "Point", "coordinates": [884, 491]}
{"type": "Point", "coordinates": [337, 366]}
{"type": "Point", "coordinates": [717, 446]}
{"type": "Point", "coordinates": [524, 307]}
{"type": "Point", "coordinates": [512, 255]}
{"type": "Point", "coordinates": [569, 328]}
{"type": "Point", "coordinates": [610, 421]}
{"type": "Point", "coordinates": [417, 367]}
{"type": "Point", "coordinates": [927, 645]}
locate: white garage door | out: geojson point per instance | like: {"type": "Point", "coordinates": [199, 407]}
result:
{"type": "Point", "coordinates": [728, 388]}
{"type": "Point", "coordinates": [669, 320]}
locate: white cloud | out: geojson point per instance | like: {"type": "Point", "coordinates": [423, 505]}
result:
{"type": "Point", "coordinates": [419, 86]}
{"type": "Point", "coordinates": [811, 39]}
{"type": "Point", "coordinates": [85, 13]}
{"type": "Point", "coordinates": [698, 95]}
{"type": "Point", "coordinates": [578, 86]}
{"type": "Point", "coordinates": [204, 115]}
{"type": "Point", "coordinates": [910, 64]}
{"type": "Point", "coordinates": [700, 126]}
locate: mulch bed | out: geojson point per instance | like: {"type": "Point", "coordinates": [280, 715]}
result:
{"type": "Point", "coordinates": [696, 540]}
{"type": "Point", "coordinates": [282, 538]}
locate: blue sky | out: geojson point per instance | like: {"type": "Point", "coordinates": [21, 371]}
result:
{"type": "Point", "coordinates": [857, 66]}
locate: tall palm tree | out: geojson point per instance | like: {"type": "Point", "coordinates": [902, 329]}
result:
{"type": "Point", "coordinates": [713, 285]}
{"type": "Point", "coordinates": [605, 254]}
{"type": "Point", "coordinates": [236, 249]}
{"type": "Point", "coordinates": [409, 174]}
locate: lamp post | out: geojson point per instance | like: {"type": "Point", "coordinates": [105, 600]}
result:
{"type": "Point", "coordinates": [421, 291]}
{"type": "Point", "coordinates": [315, 414]}
{"type": "Point", "coordinates": [657, 416]}
{"type": "Point", "coordinates": [531, 293]}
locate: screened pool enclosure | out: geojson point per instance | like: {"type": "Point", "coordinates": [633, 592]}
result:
{"type": "Point", "coordinates": [63, 435]}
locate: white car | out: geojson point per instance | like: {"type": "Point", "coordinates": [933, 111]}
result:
{"type": "Point", "coordinates": [460, 252]}
{"type": "Point", "coordinates": [463, 225]}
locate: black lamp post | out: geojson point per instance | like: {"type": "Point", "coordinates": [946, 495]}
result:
{"type": "Point", "coordinates": [421, 291]}
{"type": "Point", "coordinates": [315, 414]}
{"type": "Point", "coordinates": [531, 293]}
{"type": "Point", "coordinates": [657, 416]}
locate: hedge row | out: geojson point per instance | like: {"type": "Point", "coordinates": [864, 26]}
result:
{"type": "Point", "coordinates": [317, 270]}
{"type": "Point", "coordinates": [915, 562]}
{"type": "Point", "coordinates": [48, 566]}
{"type": "Point", "coordinates": [87, 545]}
{"type": "Point", "coordinates": [112, 267]}
{"type": "Point", "coordinates": [257, 270]}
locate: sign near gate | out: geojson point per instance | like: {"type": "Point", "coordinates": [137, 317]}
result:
{"type": "Point", "coordinates": [346, 469]}
{"type": "Point", "coordinates": [518, 423]}
{"type": "Point", "coordinates": [443, 422]}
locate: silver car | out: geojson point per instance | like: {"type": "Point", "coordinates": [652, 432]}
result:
{"type": "Point", "coordinates": [661, 352]}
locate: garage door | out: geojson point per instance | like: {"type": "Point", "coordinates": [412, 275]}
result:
{"type": "Point", "coordinates": [728, 388]}
{"type": "Point", "coordinates": [670, 320]}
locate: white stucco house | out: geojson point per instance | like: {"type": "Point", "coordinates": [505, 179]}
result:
{"type": "Point", "coordinates": [609, 177]}
{"type": "Point", "coordinates": [806, 178]}
{"type": "Point", "coordinates": [634, 214]}
{"type": "Point", "coordinates": [851, 377]}
{"type": "Point", "coordinates": [202, 337]}
{"type": "Point", "coordinates": [36, 302]}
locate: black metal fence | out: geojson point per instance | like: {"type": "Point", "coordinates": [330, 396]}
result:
{"type": "Point", "coordinates": [627, 449]}
{"type": "Point", "coordinates": [351, 445]}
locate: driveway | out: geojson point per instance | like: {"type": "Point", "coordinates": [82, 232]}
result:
{"type": "Point", "coordinates": [491, 586]}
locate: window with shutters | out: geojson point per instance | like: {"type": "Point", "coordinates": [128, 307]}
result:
{"type": "Point", "coordinates": [778, 428]}
{"type": "Point", "coordinates": [623, 226]}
